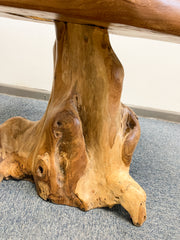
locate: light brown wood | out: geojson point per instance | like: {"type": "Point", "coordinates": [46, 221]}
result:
{"type": "Point", "coordinates": [80, 152]}
{"type": "Point", "coordinates": [141, 18]}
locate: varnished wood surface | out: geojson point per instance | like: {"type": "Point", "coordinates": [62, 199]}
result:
{"type": "Point", "coordinates": [80, 152]}
{"type": "Point", "coordinates": [161, 16]}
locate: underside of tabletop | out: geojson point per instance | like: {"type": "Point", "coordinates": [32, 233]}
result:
{"type": "Point", "coordinates": [155, 19]}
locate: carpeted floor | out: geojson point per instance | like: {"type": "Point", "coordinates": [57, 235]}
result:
{"type": "Point", "coordinates": [155, 166]}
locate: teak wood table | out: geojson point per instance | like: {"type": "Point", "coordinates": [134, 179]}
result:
{"type": "Point", "coordinates": [80, 152]}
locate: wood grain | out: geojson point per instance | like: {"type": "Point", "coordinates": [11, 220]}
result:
{"type": "Point", "coordinates": [152, 15]}
{"type": "Point", "coordinates": [80, 152]}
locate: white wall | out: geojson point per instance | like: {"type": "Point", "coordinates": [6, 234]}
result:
{"type": "Point", "coordinates": [26, 53]}
{"type": "Point", "coordinates": [152, 68]}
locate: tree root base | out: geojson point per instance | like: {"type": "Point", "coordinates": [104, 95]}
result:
{"type": "Point", "coordinates": [79, 153]}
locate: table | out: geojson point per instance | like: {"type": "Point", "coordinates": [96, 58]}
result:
{"type": "Point", "coordinates": [80, 152]}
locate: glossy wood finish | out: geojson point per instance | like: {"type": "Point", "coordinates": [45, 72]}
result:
{"type": "Point", "coordinates": [80, 152]}
{"type": "Point", "coordinates": [137, 16]}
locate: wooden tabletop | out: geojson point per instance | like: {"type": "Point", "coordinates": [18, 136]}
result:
{"type": "Point", "coordinates": [144, 18]}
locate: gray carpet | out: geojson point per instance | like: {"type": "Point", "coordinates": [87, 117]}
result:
{"type": "Point", "coordinates": [155, 166]}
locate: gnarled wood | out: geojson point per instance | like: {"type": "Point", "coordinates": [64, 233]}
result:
{"type": "Point", "coordinates": [79, 153]}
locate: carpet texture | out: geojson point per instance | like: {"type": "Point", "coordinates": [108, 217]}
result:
{"type": "Point", "coordinates": [155, 166]}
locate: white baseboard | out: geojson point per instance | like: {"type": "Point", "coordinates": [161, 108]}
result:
{"type": "Point", "coordinates": [44, 95]}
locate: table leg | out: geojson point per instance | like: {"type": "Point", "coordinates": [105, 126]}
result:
{"type": "Point", "coordinates": [79, 153]}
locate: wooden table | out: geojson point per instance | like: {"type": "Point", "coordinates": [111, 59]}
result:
{"type": "Point", "coordinates": [80, 152]}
